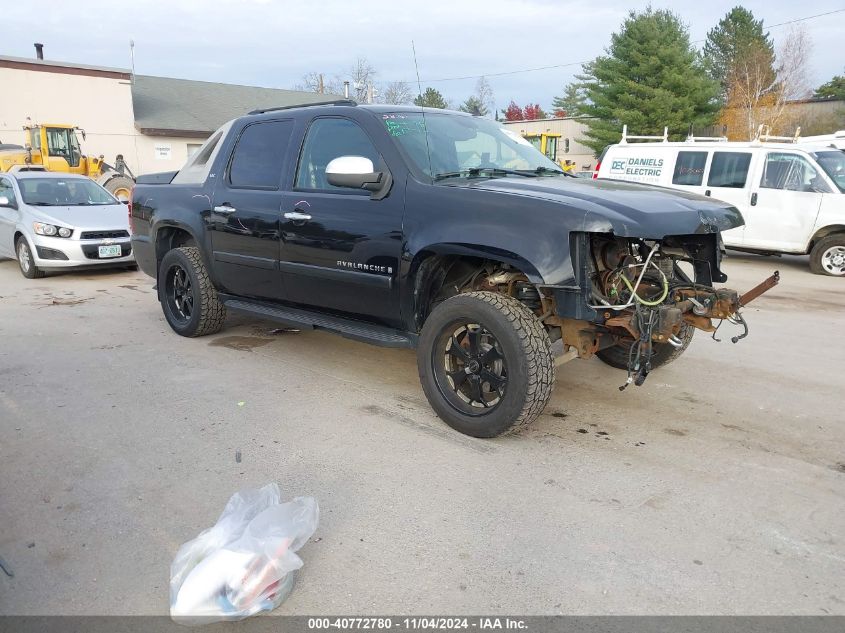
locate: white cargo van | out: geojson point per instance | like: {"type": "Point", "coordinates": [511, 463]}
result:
{"type": "Point", "coordinates": [791, 194]}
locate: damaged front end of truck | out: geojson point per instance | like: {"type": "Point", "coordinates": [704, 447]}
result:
{"type": "Point", "coordinates": [636, 300]}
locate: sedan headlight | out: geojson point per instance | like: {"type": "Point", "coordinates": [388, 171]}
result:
{"type": "Point", "coordinates": [50, 230]}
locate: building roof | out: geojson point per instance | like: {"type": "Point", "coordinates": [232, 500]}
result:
{"type": "Point", "coordinates": [166, 106]}
{"type": "Point", "coordinates": [67, 68]}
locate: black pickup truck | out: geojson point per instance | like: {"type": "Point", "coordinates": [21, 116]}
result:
{"type": "Point", "coordinates": [438, 231]}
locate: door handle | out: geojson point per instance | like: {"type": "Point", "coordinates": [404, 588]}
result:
{"type": "Point", "coordinates": [224, 208]}
{"type": "Point", "coordinates": [754, 199]}
{"type": "Point", "coordinates": [297, 216]}
{"type": "Point", "coordinates": [707, 193]}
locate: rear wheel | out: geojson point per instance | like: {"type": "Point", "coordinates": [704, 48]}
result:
{"type": "Point", "coordinates": [188, 298]}
{"type": "Point", "coordinates": [661, 353]}
{"type": "Point", "coordinates": [828, 256]}
{"type": "Point", "coordinates": [485, 363]}
{"type": "Point", "coordinates": [26, 260]}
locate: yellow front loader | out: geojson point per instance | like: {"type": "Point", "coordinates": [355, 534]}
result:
{"type": "Point", "coordinates": [55, 147]}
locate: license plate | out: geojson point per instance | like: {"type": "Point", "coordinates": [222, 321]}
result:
{"type": "Point", "coordinates": [110, 251]}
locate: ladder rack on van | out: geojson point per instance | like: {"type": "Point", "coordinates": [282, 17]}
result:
{"type": "Point", "coordinates": [665, 138]}
{"type": "Point", "coordinates": [627, 137]}
{"type": "Point", "coordinates": [764, 135]}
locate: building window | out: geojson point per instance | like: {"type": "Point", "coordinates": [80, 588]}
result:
{"type": "Point", "coordinates": [566, 146]}
{"type": "Point", "coordinates": [193, 148]}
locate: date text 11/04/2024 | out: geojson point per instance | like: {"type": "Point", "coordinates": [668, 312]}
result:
{"type": "Point", "coordinates": [416, 623]}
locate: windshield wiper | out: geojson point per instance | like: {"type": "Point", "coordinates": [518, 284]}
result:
{"type": "Point", "coordinates": [542, 170]}
{"type": "Point", "coordinates": [476, 172]}
{"type": "Point", "coordinates": [42, 204]}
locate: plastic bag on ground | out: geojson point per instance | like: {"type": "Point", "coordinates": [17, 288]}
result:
{"type": "Point", "coordinates": [246, 562]}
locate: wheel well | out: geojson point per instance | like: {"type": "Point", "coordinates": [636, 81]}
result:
{"type": "Point", "coordinates": [439, 277]}
{"type": "Point", "coordinates": [825, 232]}
{"type": "Point", "coordinates": [15, 238]}
{"type": "Point", "coordinates": [171, 237]}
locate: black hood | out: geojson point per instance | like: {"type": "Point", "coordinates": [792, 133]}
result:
{"type": "Point", "coordinates": [632, 210]}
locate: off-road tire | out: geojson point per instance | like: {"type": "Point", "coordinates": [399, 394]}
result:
{"type": "Point", "coordinates": [119, 182]}
{"type": "Point", "coordinates": [819, 249]}
{"type": "Point", "coordinates": [527, 353]}
{"type": "Point", "coordinates": [33, 271]}
{"type": "Point", "coordinates": [209, 313]}
{"type": "Point", "coordinates": [661, 353]}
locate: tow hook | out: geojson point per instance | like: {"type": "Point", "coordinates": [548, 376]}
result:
{"type": "Point", "coordinates": [756, 291]}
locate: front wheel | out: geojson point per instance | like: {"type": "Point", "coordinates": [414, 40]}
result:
{"type": "Point", "coordinates": [828, 256]}
{"type": "Point", "coordinates": [661, 353]}
{"type": "Point", "coordinates": [26, 261]}
{"type": "Point", "coordinates": [188, 298]}
{"type": "Point", "coordinates": [485, 364]}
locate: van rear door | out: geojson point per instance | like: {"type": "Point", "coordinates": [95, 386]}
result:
{"type": "Point", "coordinates": [785, 201]}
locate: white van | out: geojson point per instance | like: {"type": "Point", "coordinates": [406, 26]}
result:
{"type": "Point", "coordinates": [792, 195]}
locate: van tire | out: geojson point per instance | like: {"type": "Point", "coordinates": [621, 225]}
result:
{"type": "Point", "coordinates": [820, 262]}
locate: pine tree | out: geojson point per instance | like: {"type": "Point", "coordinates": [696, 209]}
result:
{"type": "Point", "coordinates": [833, 89]}
{"type": "Point", "coordinates": [474, 106]}
{"type": "Point", "coordinates": [431, 98]}
{"type": "Point", "coordinates": [651, 77]}
{"type": "Point", "coordinates": [737, 37]}
{"type": "Point", "coordinates": [572, 99]}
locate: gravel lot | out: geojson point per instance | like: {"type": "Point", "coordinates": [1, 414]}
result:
{"type": "Point", "coordinates": [717, 487]}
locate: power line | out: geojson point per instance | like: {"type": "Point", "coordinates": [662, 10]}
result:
{"type": "Point", "coordinates": [569, 64]}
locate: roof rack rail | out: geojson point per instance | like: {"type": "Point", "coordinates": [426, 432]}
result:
{"type": "Point", "coordinates": [627, 137]}
{"type": "Point", "coordinates": [764, 134]}
{"type": "Point", "coordinates": [336, 102]}
{"type": "Point", "coordinates": [706, 139]}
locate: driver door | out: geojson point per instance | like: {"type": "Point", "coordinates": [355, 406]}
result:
{"type": "Point", "coordinates": [340, 248]}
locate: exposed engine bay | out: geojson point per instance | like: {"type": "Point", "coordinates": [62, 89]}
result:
{"type": "Point", "coordinates": [642, 293]}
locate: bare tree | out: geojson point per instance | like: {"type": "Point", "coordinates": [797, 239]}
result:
{"type": "Point", "coordinates": [484, 94]}
{"type": "Point", "coordinates": [755, 97]}
{"type": "Point", "coordinates": [320, 82]}
{"type": "Point", "coordinates": [397, 93]}
{"type": "Point", "coordinates": [361, 76]}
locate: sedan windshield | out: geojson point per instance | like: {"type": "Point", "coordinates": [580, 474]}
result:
{"type": "Point", "coordinates": [64, 192]}
{"type": "Point", "coordinates": [453, 146]}
{"type": "Point", "coordinates": [833, 163]}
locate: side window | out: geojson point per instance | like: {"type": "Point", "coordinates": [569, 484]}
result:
{"type": "Point", "coordinates": [729, 169]}
{"type": "Point", "coordinates": [689, 168]}
{"type": "Point", "coordinates": [791, 172]}
{"type": "Point", "coordinates": [259, 154]}
{"type": "Point", "coordinates": [6, 190]}
{"type": "Point", "coordinates": [326, 140]}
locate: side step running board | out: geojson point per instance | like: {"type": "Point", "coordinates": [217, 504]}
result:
{"type": "Point", "coordinates": [349, 328]}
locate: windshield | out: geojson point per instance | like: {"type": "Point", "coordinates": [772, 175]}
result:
{"type": "Point", "coordinates": [464, 145]}
{"type": "Point", "coordinates": [65, 192]}
{"type": "Point", "coordinates": [833, 163]}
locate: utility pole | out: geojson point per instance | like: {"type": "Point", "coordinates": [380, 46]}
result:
{"type": "Point", "coordinates": [320, 88]}
{"type": "Point", "coordinates": [346, 89]}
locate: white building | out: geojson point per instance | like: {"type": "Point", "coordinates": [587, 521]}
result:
{"type": "Point", "coordinates": [569, 147]}
{"type": "Point", "coordinates": [155, 122]}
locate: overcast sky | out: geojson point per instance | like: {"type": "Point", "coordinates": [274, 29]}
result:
{"type": "Point", "coordinates": [274, 42]}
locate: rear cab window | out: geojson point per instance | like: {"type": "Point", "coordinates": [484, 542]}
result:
{"type": "Point", "coordinates": [729, 169]}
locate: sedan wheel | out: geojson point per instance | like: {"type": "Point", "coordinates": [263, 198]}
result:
{"type": "Point", "coordinates": [26, 261]}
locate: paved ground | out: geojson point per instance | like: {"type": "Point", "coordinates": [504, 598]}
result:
{"type": "Point", "coordinates": [718, 487]}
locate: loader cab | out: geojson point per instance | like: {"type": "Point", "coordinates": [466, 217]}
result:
{"type": "Point", "coordinates": [545, 143]}
{"type": "Point", "coordinates": [57, 148]}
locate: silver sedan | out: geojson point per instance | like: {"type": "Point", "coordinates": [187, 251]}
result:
{"type": "Point", "coordinates": [51, 221]}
